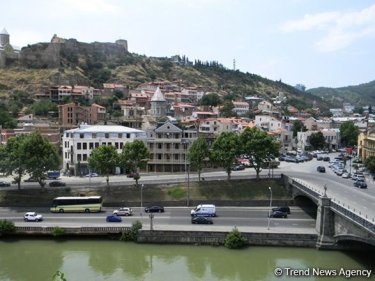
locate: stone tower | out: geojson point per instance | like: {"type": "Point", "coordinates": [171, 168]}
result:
{"type": "Point", "coordinates": [8, 54]}
{"type": "Point", "coordinates": [158, 104]}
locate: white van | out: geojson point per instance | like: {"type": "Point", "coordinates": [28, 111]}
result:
{"type": "Point", "coordinates": [204, 210]}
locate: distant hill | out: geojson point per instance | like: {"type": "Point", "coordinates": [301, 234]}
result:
{"type": "Point", "coordinates": [69, 62]}
{"type": "Point", "coordinates": [361, 95]}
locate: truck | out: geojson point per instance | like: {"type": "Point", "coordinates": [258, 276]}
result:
{"type": "Point", "coordinates": [53, 174]}
{"type": "Point", "coordinates": [207, 210]}
{"type": "Point", "coordinates": [271, 164]}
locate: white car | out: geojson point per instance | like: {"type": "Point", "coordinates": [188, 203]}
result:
{"type": "Point", "coordinates": [32, 216]}
{"type": "Point", "coordinates": [92, 175]}
{"type": "Point", "coordinates": [123, 212]}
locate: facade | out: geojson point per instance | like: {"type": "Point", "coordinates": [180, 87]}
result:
{"type": "Point", "coordinates": [70, 114]}
{"type": "Point", "coordinates": [158, 104]}
{"type": "Point", "coordinates": [240, 108]}
{"type": "Point", "coordinates": [284, 137]}
{"type": "Point", "coordinates": [314, 124]}
{"type": "Point", "coordinates": [215, 126]}
{"type": "Point", "coordinates": [332, 138]}
{"type": "Point", "coordinates": [79, 142]}
{"type": "Point", "coordinates": [366, 144]}
{"type": "Point", "coordinates": [8, 53]}
{"type": "Point", "coordinates": [267, 122]}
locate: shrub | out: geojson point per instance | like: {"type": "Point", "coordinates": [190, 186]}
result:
{"type": "Point", "coordinates": [58, 231]}
{"type": "Point", "coordinates": [176, 192]}
{"type": "Point", "coordinates": [6, 226]}
{"type": "Point", "coordinates": [133, 233]}
{"type": "Point", "coordinates": [234, 239]}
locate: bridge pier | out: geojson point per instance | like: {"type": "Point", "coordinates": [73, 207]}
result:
{"type": "Point", "coordinates": [325, 224]}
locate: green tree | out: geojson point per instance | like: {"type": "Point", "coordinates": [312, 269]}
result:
{"type": "Point", "coordinates": [39, 156]}
{"type": "Point", "coordinates": [370, 163]}
{"type": "Point", "coordinates": [260, 146]}
{"type": "Point", "coordinates": [42, 107]}
{"type": "Point", "coordinates": [12, 158]}
{"type": "Point", "coordinates": [224, 151]}
{"type": "Point", "coordinates": [317, 140]}
{"type": "Point", "coordinates": [104, 159]}
{"type": "Point", "coordinates": [234, 239]}
{"type": "Point", "coordinates": [198, 152]}
{"type": "Point", "coordinates": [211, 99]}
{"type": "Point", "coordinates": [298, 126]}
{"type": "Point", "coordinates": [134, 156]}
{"type": "Point", "coordinates": [349, 133]}
{"type": "Point", "coordinates": [6, 226]}
{"type": "Point", "coordinates": [6, 119]}
{"type": "Point", "coordinates": [227, 109]}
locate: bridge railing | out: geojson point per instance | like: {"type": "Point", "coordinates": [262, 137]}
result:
{"type": "Point", "coordinates": [364, 222]}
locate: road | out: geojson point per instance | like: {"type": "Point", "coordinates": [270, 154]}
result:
{"type": "Point", "coordinates": [245, 218]}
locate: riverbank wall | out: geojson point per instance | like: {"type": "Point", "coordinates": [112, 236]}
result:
{"type": "Point", "coordinates": [180, 236]}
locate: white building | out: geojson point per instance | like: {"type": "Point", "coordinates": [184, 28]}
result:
{"type": "Point", "coordinates": [78, 143]}
{"type": "Point", "coordinates": [267, 122]}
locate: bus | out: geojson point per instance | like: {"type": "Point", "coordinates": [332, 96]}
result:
{"type": "Point", "coordinates": [77, 204]}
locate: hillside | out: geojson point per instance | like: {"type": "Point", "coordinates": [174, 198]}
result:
{"type": "Point", "coordinates": [49, 64]}
{"type": "Point", "coordinates": [360, 95]}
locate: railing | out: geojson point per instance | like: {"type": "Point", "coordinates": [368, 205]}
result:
{"type": "Point", "coordinates": [71, 230]}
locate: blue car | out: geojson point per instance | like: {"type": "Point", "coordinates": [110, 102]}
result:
{"type": "Point", "coordinates": [113, 218]}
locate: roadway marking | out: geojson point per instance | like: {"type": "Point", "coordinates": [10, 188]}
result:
{"type": "Point", "coordinates": [294, 223]}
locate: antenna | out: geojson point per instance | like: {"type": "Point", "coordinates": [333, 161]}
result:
{"type": "Point", "coordinates": [234, 64]}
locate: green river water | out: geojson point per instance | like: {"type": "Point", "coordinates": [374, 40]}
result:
{"type": "Point", "coordinates": [38, 259]}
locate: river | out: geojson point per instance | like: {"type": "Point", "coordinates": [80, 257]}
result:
{"type": "Point", "coordinates": [37, 259]}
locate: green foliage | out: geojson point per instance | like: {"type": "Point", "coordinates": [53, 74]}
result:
{"type": "Point", "coordinates": [176, 192]}
{"type": "Point", "coordinates": [298, 126]}
{"type": "Point", "coordinates": [317, 140]}
{"type": "Point", "coordinates": [227, 109]}
{"type": "Point", "coordinates": [39, 156]}
{"type": "Point", "coordinates": [42, 107]}
{"type": "Point", "coordinates": [259, 145]}
{"type": "Point", "coordinates": [133, 233]}
{"type": "Point", "coordinates": [370, 163]}
{"type": "Point", "coordinates": [6, 119]}
{"type": "Point", "coordinates": [134, 156]}
{"type": "Point", "coordinates": [104, 159]}
{"type": "Point", "coordinates": [58, 231]}
{"type": "Point", "coordinates": [59, 276]}
{"type": "Point", "coordinates": [224, 151]}
{"type": "Point", "coordinates": [6, 227]}
{"type": "Point", "coordinates": [349, 133]}
{"type": "Point", "coordinates": [211, 99]}
{"type": "Point", "coordinates": [198, 153]}
{"type": "Point", "coordinates": [234, 239]}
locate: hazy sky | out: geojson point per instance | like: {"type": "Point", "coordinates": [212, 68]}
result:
{"type": "Point", "coordinates": [317, 43]}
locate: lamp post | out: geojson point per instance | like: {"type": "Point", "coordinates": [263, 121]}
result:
{"type": "Point", "coordinates": [325, 189]}
{"type": "Point", "coordinates": [142, 203]}
{"type": "Point", "coordinates": [269, 213]}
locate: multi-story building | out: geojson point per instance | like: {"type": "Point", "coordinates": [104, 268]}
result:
{"type": "Point", "coordinates": [332, 138]}
{"type": "Point", "coordinates": [240, 107]}
{"type": "Point", "coordinates": [267, 122]}
{"type": "Point", "coordinates": [79, 142]}
{"type": "Point", "coordinates": [70, 114]}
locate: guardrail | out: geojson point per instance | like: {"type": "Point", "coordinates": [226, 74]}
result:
{"type": "Point", "coordinates": [70, 230]}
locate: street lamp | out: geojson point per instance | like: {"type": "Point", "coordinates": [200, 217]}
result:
{"type": "Point", "coordinates": [269, 213]}
{"type": "Point", "coordinates": [142, 203]}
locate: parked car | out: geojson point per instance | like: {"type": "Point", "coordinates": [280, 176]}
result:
{"type": "Point", "coordinates": [113, 218]}
{"type": "Point", "coordinates": [291, 159]}
{"type": "Point", "coordinates": [346, 175]}
{"type": "Point", "coordinates": [321, 169]}
{"type": "Point", "coordinates": [277, 214]}
{"type": "Point", "coordinates": [57, 183]}
{"type": "Point", "coordinates": [30, 180]}
{"type": "Point", "coordinates": [319, 158]}
{"type": "Point", "coordinates": [154, 209]}
{"type": "Point", "coordinates": [326, 158]}
{"type": "Point", "coordinates": [32, 216]}
{"type": "Point", "coordinates": [131, 175]}
{"type": "Point", "coordinates": [123, 211]}
{"type": "Point", "coordinates": [201, 220]}
{"type": "Point", "coordinates": [238, 167]}
{"type": "Point", "coordinates": [360, 183]}
{"type": "Point", "coordinates": [92, 175]}
{"type": "Point", "coordinates": [4, 183]}
{"type": "Point", "coordinates": [284, 209]}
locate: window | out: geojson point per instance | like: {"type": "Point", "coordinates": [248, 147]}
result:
{"type": "Point", "coordinates": [79, 157]}
{"type": "Point", "coordinates": [106, 135]}
{"type": "Point", "coordinates": [160, 146]}
{"type": "Point", "coordinates": [94, 135]}
{"type": "Point", "coordinates": [84, 145]}
{"type": "Point", "coordinates": [79, 146]}
{"type": "Point", "coordinates": [91, 145]}
{"type": "Point", "coordinates": [84, 157]}
{"type": "Point", "coordinates": [120, 135]}
{"type": "Point", "coordinates": [81, 136]}
{"type": "Point", "coordinates": [96, 145]}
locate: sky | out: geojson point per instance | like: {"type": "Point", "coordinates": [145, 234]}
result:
{"type": "Point", "coordinates": [317, 43]}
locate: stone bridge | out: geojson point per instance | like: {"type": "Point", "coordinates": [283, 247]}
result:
{"type": "Point", "coordinates": [338, 227]}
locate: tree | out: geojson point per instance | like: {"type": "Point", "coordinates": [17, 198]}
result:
{"type": "Point", "coordinates": [104, 159]}
{"type": "Point", "coordinates": [224, 151]}
{"type": "Point", "coordinates": [39, 156]}
{"type": "Point", "coordinates": [227, 109]}
{"type": "Point", "coordinates": [349, 133]}
{"type": "Point", "coordinates": [298, 126]}
{"type": "Point", "coordinates": [134, 156]}
{"type": "Point", "coordinates": [6, 119]}
{"type": "Point", "coordinates": [210, 99]}
{"type": "Point", "coordinates": [317, 140]}
{"type": "Point", "coordinates": [234, 239]}
{"type": "Point", "coordinates": [370, 163]}
{"type": "Point", "coordinates": [12, 158]}
{"type": "Point", "coordinates": [258, 145]}
{"type": "Point", "coordinates": [197, 153]}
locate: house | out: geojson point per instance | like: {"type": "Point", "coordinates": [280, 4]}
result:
{"type": "Point", "coordinates": [70, 114]}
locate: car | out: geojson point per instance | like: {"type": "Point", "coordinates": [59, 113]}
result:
{"type": "Point", "coordinates": [92, 175]}
{"type": "Point", "coordinates": [113, 218]}
{"type": "Point", "coordinates": [131, 175]}
{"type": "Point", "coordinates": [123, 211]}
{"type": "Point", "coordinates": [57, 183]}
{"type": "Point", "coordinates": [154, 209]}
{"type": "Point", "coordinates": [32, 216]}
{"type": "Point", "coordinates": [346, 175]}
{"type": "Point", "coordinates": [201, 220]}
{"type": "Point", "coordinates": [326, 159]}
{"type": "Point", "coordinates": [30, 180]}
{"type": "Point", "coordinates": [321, 169]}
{"type": "Point", "coordinates": [238, 167]}
{"type": "Point", "coordinates": [361, 183]}
{"type": "Point", "coordinates": [4, 183]}
{"type": "Point", "coordinates": [284, 209]}
{"type": "Point", "coordinates": [319, 158]}
{"type": "Point", "coordinates": [277, 214]}
{"type": "Point", "coordinates": [291, 159]}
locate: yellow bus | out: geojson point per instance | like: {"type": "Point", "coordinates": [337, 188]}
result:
{"type": "Point", "coordinates": [77, 204]}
